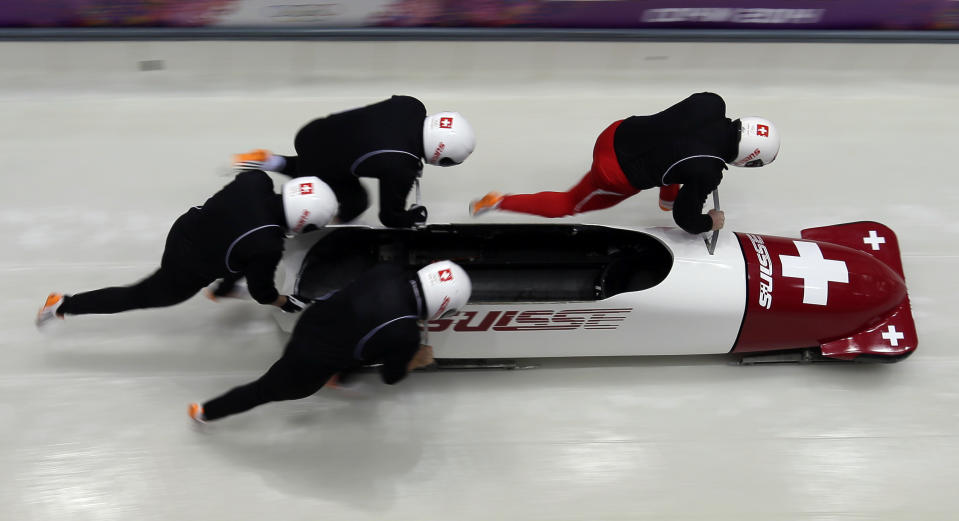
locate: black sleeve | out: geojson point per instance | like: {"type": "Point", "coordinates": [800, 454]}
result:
{"type": "Point", "coordinates": [396, 174]}
{"type": "Point", "coordinates": [227, 284]}
{"type": "Point", "coordinates": [260, 272]}
{"type": "Point", "coordinates": [393, 369]}
{"type": "Point", "coordinates": [398, 343]}
{"type": "Point", "coordinates": [393, 194]}
{"type": "Point", "coordinates": [688, 208]}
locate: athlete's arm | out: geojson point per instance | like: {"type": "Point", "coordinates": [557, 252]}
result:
{"type": "Point", "coordinates": [699, 179]}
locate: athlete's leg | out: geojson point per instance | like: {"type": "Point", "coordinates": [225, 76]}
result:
{"type": "Point", "coordinates": [599, 200]}
{"type": "Point", "coordinates": [667, 196]}
{"type": "Point", "coordinates": [305, 142]}
{"type": "Point", "coordinates": [551, 204]}
{"type": "Point", "coordinates": [309, 145]}
{"type": "Point", "coordinates": [178, 279]}
{"type": "Point", "coordinates": [160, 289]}
{"type": "Point", "coordinates": [603, 186]}
{"type": "Point", "coordinates": [295, 375]}
{"type": "Point", "coordinates": [352, 196]}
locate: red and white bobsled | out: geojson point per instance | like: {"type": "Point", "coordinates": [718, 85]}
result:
{"type": "Point", "coordinates": [570, 290]}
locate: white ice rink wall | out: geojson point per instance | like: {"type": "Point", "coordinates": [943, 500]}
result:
{"type": "Point", "coordinates": [762, 67]}
{"type": "Point", "coordinates": [105, 143]}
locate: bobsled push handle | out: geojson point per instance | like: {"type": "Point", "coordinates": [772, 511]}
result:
{"type": "Point", "coordinates": [711, 244]}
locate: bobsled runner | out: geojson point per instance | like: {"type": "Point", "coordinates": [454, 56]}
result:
{"type": "Point", "coordinates": [574, 290]}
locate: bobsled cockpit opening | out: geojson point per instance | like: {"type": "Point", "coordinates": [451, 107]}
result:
{"type": "Point", "coordinates": [507, 263]}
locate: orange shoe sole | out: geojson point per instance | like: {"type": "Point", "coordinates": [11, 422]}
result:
{"type": "Point", "coordinates": [196, 412]}
{"type": "Point", "coordinates": [488, 202]}
{"type": "Point", "coordinates": [259, 155]}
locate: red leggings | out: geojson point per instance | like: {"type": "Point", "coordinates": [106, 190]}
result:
{"type": "Point", "coordinates": [603, 186]}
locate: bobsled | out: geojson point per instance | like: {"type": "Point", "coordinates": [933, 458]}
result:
{"type": "Point", "coordinates": [575, 290]}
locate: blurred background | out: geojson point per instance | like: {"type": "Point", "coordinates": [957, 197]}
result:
{"type": "Point", "coordinates": [628, 14]}
{"type": "Point", "coordinates": [117, 116]}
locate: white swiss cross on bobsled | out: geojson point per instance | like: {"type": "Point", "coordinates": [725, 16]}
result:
{"type": "Point", "coordinates": [815, 270]}
{"type": "Point", "coordinates": [896, 334]}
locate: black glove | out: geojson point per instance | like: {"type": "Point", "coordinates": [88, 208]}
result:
{"type": "Point", "coordinates": [417, 213]}
{"type": "Point", "coordinates": [293, 304]}
{"type": "Point", "coordinates": [224, 287]}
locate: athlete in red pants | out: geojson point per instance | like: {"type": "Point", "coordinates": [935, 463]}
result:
{"type": "Point", "coordinates": [683, 150]}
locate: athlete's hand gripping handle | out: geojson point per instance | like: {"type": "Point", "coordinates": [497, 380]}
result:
{"type": "Point", "coordinates": [293, 304]}
{"type": "Point", "coordinates": [418, 214]}
{"type": "Point", "coordinates": [422, 358]}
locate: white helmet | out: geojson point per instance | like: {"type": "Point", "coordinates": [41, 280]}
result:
{"type": "Point", "coordinates": [307, 203]}
{"type": "Point", "coordinates": [446, 288]}
{"type": "Point", "coordinates": [758, 142]}
{"type": "Point", "coordinates": [448, 139]}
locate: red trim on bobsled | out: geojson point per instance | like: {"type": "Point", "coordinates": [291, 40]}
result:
{"type": "Point", "coordinates": [893, 335]}
{"type": "Point", "coordinates": [870, 237]}
{"type": "Point", "coordinates": [827, 289]}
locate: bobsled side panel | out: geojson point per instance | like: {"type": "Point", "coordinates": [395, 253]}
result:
{"type": "Point", "coordinates": [697, 309]}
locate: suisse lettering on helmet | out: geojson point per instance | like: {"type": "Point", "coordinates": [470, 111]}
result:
{"type": "Point", "coordinates": [443, 307]}
{"type": "Point", "coordinates": [303, 219]}
{"type": "Point", "coordinates": [448, 139]}
{"type": "Point", "coordinates": [758, 142]}
{"type": "Point", "coordinates": [446, 288]}
{"type": "Point", "coordinates": [751, 156]}
{"type": "Point", "coordinates": [437, 154]}
{"type": "Point", "coordinates": [308, 202]}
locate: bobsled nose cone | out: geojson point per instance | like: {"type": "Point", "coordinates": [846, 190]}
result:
{"type": "Point", "coordinates": [878, 288]}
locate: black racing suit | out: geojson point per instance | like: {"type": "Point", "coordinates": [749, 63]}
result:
{"type": "Point", "coordinates": [383, 140]}
{"type": "Point", "coordinates": [237, 233]}
{"type": "Point", "coordinates": [372, 320]}
{"type": "Point", "coordinates": [688, 144]}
